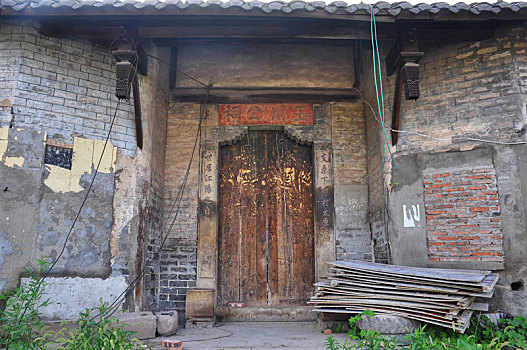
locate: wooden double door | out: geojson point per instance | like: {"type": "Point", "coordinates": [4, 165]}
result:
{"type": "Point", "coordinates": [266, 239]}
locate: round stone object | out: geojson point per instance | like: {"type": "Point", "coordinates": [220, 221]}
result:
{"type": "Point", "coordinates": [388, 324]}
{"type": "Point", "coordinates": [167, 322]}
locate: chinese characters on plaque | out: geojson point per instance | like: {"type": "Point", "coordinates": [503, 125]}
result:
{"type": "Point", "coordinates": [266, 114]}
{"type": "Point", "coordinates": [325, 190]}
{"type": "Point", "coordinates": [208, 173]}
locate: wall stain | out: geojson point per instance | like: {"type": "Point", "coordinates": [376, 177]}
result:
{"type": "Point", "coordinates": [6, 248]}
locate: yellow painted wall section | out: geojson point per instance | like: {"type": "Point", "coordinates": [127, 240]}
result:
{"type": "Point", "coordinates": [86, 155]}
{"type": "Point", "coordinates": [14, 161]}
{"type": "Point", "coordinates": [108, 159]}
{"type": "Point", "coordinates": [59, 179]}
{"type": "Point", "coordinates": [3, 141]}
{"type": "Point", "coordinates": [8, 161]}
{"type": "Point", "coordinates": [81, 162]}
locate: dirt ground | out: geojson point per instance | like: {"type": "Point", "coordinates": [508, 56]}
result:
{"type": "Point", "coordinates": [250, 336]}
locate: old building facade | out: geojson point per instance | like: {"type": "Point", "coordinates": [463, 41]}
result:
{"type": "Point", "coordinates": [252, 152]}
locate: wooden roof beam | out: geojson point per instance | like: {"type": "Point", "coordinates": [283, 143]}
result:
{"type": "Point", "coordinates": [266, 94]}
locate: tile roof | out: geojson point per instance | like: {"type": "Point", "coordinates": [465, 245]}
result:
{"type": "Point", "coordinates": [383, 7]}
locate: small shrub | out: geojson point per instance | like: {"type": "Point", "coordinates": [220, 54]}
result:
{"type": "Point", "coordinates": [363, 339]}
{"type": "Point", "coordinates": [509, 333]}
{"type": "Point", "coordinates": [20, 325]}
{"type": "Point", "coordinates": [335, 328]}
{"type": "Point", "coordinates": [99, 333]}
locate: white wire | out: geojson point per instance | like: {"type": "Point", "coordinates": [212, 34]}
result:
{"type": "Point", "coordinates": [432, 137]}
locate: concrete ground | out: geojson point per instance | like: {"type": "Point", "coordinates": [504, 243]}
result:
{"type": "Point", "coordinates": [250, 336]}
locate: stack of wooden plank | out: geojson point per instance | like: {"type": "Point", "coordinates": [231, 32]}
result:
{"type": "Point", "coordinates": [445, 297]}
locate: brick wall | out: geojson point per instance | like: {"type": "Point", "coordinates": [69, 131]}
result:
{"type": "Point", "coordinates": [60, 86]}
{"type": "Point", "coordinates": [463, 215]}
{"type": "Point", "coordinates": [178, 257]}
{"type": "Point", "coordinates": [178, 274]}
{"type": "Point", "coordinates": [469, 89]}
{"type": "Point", "coordinates": [349, 143]}
{"type": "Point", "coordinates": [348, 136]}
{"type": "Point", "coordinates": [154, 106]}
{"type": "Point", "coordinates": [374, 144]}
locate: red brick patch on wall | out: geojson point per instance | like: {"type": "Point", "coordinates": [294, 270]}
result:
{"type": "Point", "coordinates": [463, 215]}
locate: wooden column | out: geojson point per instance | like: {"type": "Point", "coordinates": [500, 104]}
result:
{"type": "Point", "coordinates": [208, 218]}
{"type": "Point", "coordinates": [324, 210]}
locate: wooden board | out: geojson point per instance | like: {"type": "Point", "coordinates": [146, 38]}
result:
{"type": "Point", "coordinates": [443, 297]}
{"type": "Point", "coordinates": [266, 240]}
{"type": "Point", "coordinates": [322, 285]}
{"type": "Point", "coordinates": [485, 283]}
{"type": "Point", "coordinates": [446, 274]}
{"type": "Point", "coordinates": [396, 280]}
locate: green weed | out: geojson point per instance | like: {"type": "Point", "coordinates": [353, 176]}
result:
{"type": "Point", "coordinates": [20, 325]}
{"type": "Point", "coordinates": [509, 333]}
{"type": "Point", "coordinates": [99, 332]}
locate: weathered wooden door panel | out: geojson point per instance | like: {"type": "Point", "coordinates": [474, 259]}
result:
{"type": "Point", "coordinates": [266, 240]}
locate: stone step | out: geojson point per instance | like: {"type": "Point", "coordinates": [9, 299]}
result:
{"type": "Point", "coordinates": [256, 314]}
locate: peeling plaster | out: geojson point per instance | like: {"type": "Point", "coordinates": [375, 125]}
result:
{"type": "Point", "coordinates": [12, 161]}
{"type": "Point", "coordinates": [6, 248]}
{"type": "Point", "coordinates": [3, 282]}
{"type": "Point", "coordinates": [86, 156]}
{"type": "Point", "coordinates": [3, 141]}
{"type": "Point", "coordinates": [59, 179]}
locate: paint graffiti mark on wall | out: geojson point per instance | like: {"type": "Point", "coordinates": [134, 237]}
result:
{"type": "Point", "coordinates": [411, 215]}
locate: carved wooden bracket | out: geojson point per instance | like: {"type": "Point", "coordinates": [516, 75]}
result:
{"type": "Point", "coordinates": [403, 59]}
{"type": "Point", "coordinates": [303, 135]}
{"type": "Point", "coordinates": [410, 73]}
{"type": "Point", "coordinates": [125, 68]}
{"type": "Point", "coordinates": [228, 135]}
{"type": "Point", "coordinates": [126, 76]}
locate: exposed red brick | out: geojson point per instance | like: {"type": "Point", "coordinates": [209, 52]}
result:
{"type": "Point", "coordinates": [478, 209]}
{"type": "Point", "coordinates": [473, 177]}
{"type": "Point", "coordinates": [461, 210]}
{"type": "Point", "coordinates": [466, 215]}
{"type": "Point", "coordinates": [474, 188]}
{"type": "Point", "coordinates": [480, 198]}
{"type": "Point", "coordinates": [482, 253]}
{"type": "Point", "coordinates": [436, 212]}
{"type": "Point", "coordinates": [447, 238]}
{"type": "Point", "coordinates": [441, 175]}
{"type": "Point", "coordinates": [480, 231]}
{"type": "Point", "coordinates": [479, 171]}
{"type": "Point", "coordinates": [467, 226]}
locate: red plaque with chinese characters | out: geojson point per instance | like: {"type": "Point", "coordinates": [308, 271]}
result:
{"type": "Point", "coordinates": [266, 114]}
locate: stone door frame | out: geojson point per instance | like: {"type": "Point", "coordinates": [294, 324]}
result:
{"type": "Point", "coordinates": [319, 136]}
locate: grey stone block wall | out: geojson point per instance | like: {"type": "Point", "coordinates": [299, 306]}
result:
{"type": "Point", "coordinates": [63, 87]}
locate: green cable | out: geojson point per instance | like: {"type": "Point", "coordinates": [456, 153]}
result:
{"type": "Point", "coordinates": [375, 81]}
{"type": "Point", "coordinates": [377, 60]}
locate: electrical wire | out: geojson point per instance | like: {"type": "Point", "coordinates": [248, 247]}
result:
{"type": "Point", "coordinates": [179, 71]}
{"type": "Point", "coordinates": [380, 105]}
{"type": "Point", "coordinates": [229, 334]}
{"type": "Point", "coordinates": [48, 271]}
{"type": "Point", "coordinates": [113, 307]}
{"type": "Point", "coordinates": [460, 138]}
{"type": "Point", "coordinates": [380, 102]}
{"type": "Point", "coordinates": [70, 231]}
